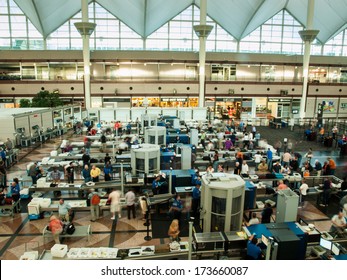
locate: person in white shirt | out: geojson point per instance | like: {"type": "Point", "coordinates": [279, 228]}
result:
{"type": "Point", "coordinates": [338, 223]}
{"type": "Point", "coordinates": [210, 146]}
{"type": "Point", "coordinates": [220, 137]}
{"type": "Point", "coordinates": [130, 201]}
{"type": "Point", "coordinates": [244, 168]}
{"type": "Point", "coordinates": [254, 220]}
{"type": "Point", "coordinates": [303, 190]}
{"type": "Point", "coordinates": [286, 158]}
{"type": "Point", "coordinates": [246, 140]}
{"type": "Point", "coordinates": [257, 159]}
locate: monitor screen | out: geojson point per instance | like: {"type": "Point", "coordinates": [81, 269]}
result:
{"type": "Point", "coordinates": [135, 146]}
{"type": "Point", "coordinates": [335, 249]}
{"type": "Point", "coordinates": [326, 244]}
{"type": "Point", "coordinates": [265, 240]}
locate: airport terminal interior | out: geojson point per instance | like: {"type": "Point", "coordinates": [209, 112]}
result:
{"type": "Point", "coordinates": [173, 130]}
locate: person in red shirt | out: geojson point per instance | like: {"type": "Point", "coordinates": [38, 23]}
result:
{"type": "Point", "coordinates": [56, 227]}
{"type": "Point", "coordinates": [332, 166]}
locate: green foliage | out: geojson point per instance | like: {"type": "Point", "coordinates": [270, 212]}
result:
{"type": "Point", "coordinates": [24, 103]}
{"type": "Point", "coordinates": [46, 99]}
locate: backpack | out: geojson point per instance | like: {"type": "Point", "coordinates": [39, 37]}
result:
{"type": "Point", "coordinates": [69, 228]}
{"type": "Point", "coordinates": [95, 200]}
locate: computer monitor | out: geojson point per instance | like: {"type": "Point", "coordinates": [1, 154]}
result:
{"type": "Point", "coordinates": [335, 249]}
{"type": "Point", "coordinates": [265, 240]}
{"type": "Point", "coordinates": [326, 244]}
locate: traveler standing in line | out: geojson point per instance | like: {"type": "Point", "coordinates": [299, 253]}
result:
{"type": "Point", "coordinates": [95, 173]}
{"type": "Point", "coordinates": [108, 171]}
{"type": "Point", "coordinates": [103, 141]}
{"type": "Point", "coordinates": [86, 158]}
{"type": "Point", "coordinates": [70, 170]}
{"type": "Point", "coordinates": [86, 174]}
{"type": "Point", "coordinates": [130, 201]}
{"type": "Point", "coordinates": [94, 204]}
{"type": "Point", "coordinates": [55, 175]}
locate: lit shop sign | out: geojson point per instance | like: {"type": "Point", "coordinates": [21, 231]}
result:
{"type": "Point", "coordinates": [4, 100]}
{"type": "Point", "coordinates": [279, 100]}
{"type": "Point", "coordinates": [173, 99]}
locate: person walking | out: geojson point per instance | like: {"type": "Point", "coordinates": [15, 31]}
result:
{"type": "Point", "coordinates": [114, 198]}
{"type": "Point", "coordinates": [130, 201]}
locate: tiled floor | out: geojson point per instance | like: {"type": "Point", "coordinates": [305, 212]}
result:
{"type": "Point", "coordinates": [19, 234]}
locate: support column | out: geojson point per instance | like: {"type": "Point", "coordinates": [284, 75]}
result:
{"type": "Point", "coordinates": [86, 28]}
{"type": "Point", "coordinates": [202, 31]}
{"type": "Point", "coordinates": [308, 35]}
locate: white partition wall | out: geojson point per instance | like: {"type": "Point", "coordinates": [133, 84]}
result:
{"type": "Point", "coordinates": [137, 112]}
{"type": "Point", "coordinates": [107, 114]}
{"type": "Point", "coordinates": [185, 114]}
{"type": "Point", "coordinates": [200, 114]}
{"type": "Point", "coordinates": [77, 113]}
{"type": "Point", "coordinates": [35, 119]}
{"type": "Point", "coordinates": [47, 120]}
{"type": "Point", "coordinates": [170, 112]}
{"type": "Point", "coordinates": [154, 111]}
{"type": "Point", "coordinates": [123, 115]}
{"type": "Point", "coordinates": [21, 122]}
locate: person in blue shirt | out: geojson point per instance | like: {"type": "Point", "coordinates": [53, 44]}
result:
{"type": "Point", "coordinates": [269, 159]}
{"type": "Point", "coordinates": [86, 174]}
{"type": "Point", "coordinates": [15, 189]}
{"type": "Point", "coordinates": [253, 250]}
{"type": "Point", "coordinates": [196, 200]}
{"type": "Point", "coordinates": [176, 207]}
{"type": "Point", "coordinates": [108, 171]}
{"type": "Point", "coordinates": [128, 127]}
{"type": "Point", "coordinates": [156, 185]}
{"type": "Point", "coordinates": [3, 155]}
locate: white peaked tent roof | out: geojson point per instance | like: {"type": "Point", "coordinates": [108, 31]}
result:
{"type": "Point", "coordinates": [238, 17]}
